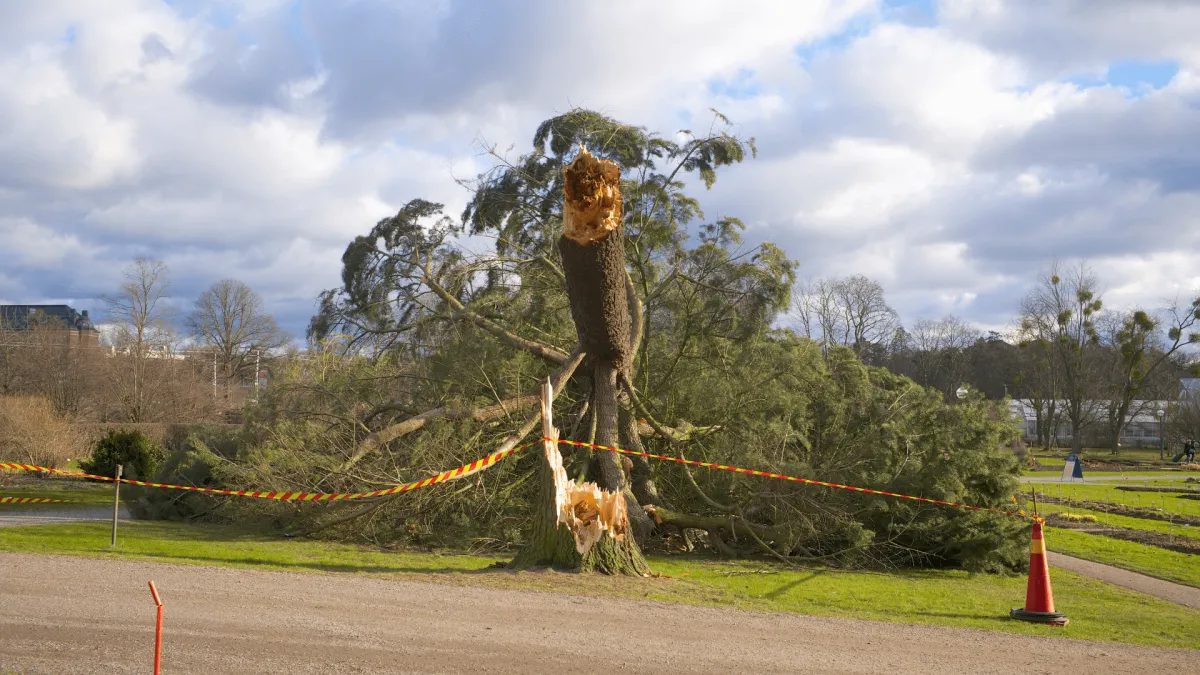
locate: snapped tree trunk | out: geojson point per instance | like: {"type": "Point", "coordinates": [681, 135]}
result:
{"type": "Point", "coordinates": [593, 255]}
{"type": "Point", "coordinates": [577, 526]}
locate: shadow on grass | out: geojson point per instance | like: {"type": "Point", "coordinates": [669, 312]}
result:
{"type": "Point", "coordinates": [991, 618]}
{"type": "Point", "coordinates": [333, 567]}
{"type": "Point", "coordinates": [772, 595]}
{"type": "Point", "coordinates": [166, 541]}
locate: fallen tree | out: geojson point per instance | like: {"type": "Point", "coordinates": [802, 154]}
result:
{"type": "Point", "coordinates": [656, 327]}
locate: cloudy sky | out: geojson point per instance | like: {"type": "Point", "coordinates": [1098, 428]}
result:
{"type": "Point", "coordinates": [949, 149]}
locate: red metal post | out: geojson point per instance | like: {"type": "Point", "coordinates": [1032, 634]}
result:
{"type": "Point", "coordinates": [157, 629]}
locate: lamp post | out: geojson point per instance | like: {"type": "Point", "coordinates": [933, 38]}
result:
{"type": "Point", "coordinates": [1162, 436]}
{"type": "Point", "coordinates": [962, 392]}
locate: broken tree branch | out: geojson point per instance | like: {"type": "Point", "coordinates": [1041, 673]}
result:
{"type": "Point", "coordinates": [719, 523]}
{"type": "Point", "coordinates": [496, 411]}
{"type": "Point", "coordinates": [509, 442]}
{"type": "Point", "coordinates": [459, 310]}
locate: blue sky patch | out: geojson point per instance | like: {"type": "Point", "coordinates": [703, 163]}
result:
{"type": "Point", "coordinates": [1136, 76]}
{"type": "Point", "coordinates": [740, 87]}
{"type": "Point", "coordinates": [910, 12]}
{"type": "Point", "coordinates": [856, 28]}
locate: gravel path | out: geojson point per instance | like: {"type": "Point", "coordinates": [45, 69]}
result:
{"type": "Point", "coordinates": [41, 515]}
{"type": "Point", "coordinates": [1177, 593]}
{"type": "Point", "coordinates": [221, 620]}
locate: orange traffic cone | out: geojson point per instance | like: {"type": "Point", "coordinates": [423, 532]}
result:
{"type": "Point", "coordinates": [1039, 598]}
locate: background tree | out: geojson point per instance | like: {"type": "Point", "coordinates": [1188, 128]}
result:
{"type": "Point", "coordinates": [41, 360]}
{"type": "Point", "coordinates": [12, 343]}
{"type": "Point", "coordinates": [1136, 353]}
{"type": "Point", "coordinates": [850, 311]}
{"type": "Point", "coordinates": [996, 367]}
{"type": "Point", "coordinates": [1041, 382]}
{"type": "Point", "coordinates": [937, 353]}
{"type": "Point", "coordinates": [140, 315]}
{"type": "Point", "coordinates": [1183, 418]}
{"type": "Point", "coordinates": [1060, 312]}
{"type": "Point", "coordinates": [230, 318]}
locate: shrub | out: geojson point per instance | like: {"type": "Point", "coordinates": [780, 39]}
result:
{"type": "Point", "coordinates": [131, 449]}
{"type": "Point", "coordinates": [30, 433]}
{"type": "Point", "coordinates": [1074, 517]}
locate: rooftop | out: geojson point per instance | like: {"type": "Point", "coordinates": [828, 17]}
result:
{"type": "Point", "coordinates": [24, 317]}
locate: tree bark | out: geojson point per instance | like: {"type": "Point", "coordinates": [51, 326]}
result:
{"type": "Point", "coordinates": [593, 254]}
{"type": "Point", "coordinates": [577, 527]}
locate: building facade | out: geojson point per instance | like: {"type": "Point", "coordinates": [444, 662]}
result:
{"type": "Point", "coordinates": [75, 327]}
{"type": "Point", "coordinates": [1143, 426]}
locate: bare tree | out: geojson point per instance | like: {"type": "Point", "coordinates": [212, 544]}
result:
{"type": "Point", "coordinates": [141, 317]}
{"type": "Point", "coordinates": [13, 346]}
{"type": "Point", "coordinates": [1059, 314]}
{"type": "Point", "coordinates": [939, 352]}
{"type": "Point", "coordinates": [231, 318]}
{"type": "Point", "coordinates": [850, 311]}
{"type": "Point", "coordinates": [1039, 378]}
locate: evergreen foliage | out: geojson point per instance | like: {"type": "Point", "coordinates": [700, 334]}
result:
{"type": "Point", "coordinates": [422, 326]}
{"type": "Point", "coordinates": [137, 455]}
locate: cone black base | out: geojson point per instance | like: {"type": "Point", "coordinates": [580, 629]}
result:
{"type": "Point", "coordinates": [1051, 618]}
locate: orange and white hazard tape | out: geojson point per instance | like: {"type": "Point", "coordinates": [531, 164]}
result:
{"type": "Point", "coordinates": [453, 474]}
{"type": "Point", "coordinates": [794, 479]}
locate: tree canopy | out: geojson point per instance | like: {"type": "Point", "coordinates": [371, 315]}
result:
{"type": "Point", "coordinates": [430, 353]}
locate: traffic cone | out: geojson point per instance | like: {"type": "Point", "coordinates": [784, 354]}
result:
{"type": "Point", "coordinates": [1039, 598]}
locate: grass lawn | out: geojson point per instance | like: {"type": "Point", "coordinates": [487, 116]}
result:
{"type": "Point", "coordinates": [1109, 493]}
{"type": "Point", "coordinates": [1181, 568]}
{"type": "Point", "coordinates": [1125, 521]}
{"type": "Point", "coordinates": [1056, 462]}
{"type": "Point", "coordinates": [1098, 611]}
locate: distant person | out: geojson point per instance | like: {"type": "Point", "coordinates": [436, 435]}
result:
{"type": "Point", "coordinates": [1189, 450]}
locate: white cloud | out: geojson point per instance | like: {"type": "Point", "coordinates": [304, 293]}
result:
{"type": "Point", "coordinates": [1071, 37]}
{"type": "Point", "coordinates": [236, 138]}
{"type": "Point", "coordinates": [27, 244]}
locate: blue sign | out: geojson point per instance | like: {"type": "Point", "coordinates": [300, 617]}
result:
{"type": "Point", "coordinates": [1072, 467]}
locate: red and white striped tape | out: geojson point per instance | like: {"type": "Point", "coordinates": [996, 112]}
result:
{"type": "Point", "coordinates": [794, 479]}
{"type": "Point", "coordinates": [453, 474]}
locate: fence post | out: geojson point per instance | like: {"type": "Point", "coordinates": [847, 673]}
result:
{"type": "Point", "coordinates": [116, 502]}
{"type": "Point", "coordinates": [157, 629]}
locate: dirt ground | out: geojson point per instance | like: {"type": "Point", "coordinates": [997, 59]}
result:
{"type": "Point", "coordinates": [222, 620]}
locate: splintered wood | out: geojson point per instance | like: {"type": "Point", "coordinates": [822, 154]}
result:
{"type": "Point", "coordinates": [588, 511]}
{"type": "Point", "coordinates": [592, 187]}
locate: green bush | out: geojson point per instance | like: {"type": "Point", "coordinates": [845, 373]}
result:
{"type": "Point", "coordinates": [131, 449]}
